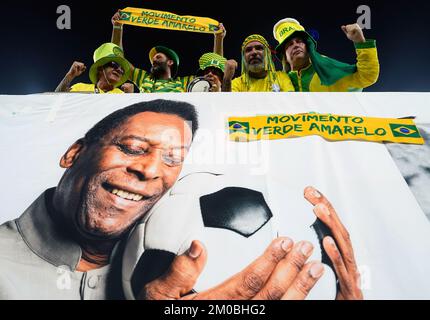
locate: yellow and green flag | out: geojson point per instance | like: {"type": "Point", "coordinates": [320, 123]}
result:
{"type": "Point", "coordinates": [329, 126]}
{"type": "Point", "coordinates": [167, 20]}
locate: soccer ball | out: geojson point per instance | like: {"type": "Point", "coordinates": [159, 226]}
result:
{"type": "Point", "coordinates": [227, 213]}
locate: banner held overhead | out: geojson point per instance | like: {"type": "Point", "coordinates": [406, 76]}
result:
{"type": "Point", "coordinates": [166, 20]}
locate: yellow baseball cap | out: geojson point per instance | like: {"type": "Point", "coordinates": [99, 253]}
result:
{"type": "Point", "coordinates": [284, 30]}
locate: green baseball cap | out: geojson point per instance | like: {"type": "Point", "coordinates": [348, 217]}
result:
{"type": "Point", "coordinates": [211, 59]}
{"type": "Point", "coordinates": [106, 53]}
{"type": "Point", "coordinates": [169, 53]}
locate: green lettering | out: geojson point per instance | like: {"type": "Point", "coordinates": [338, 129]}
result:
{"type": "Point", "coordinates": [326, 128]}
{"type": "Point", "coordinates": [272, 119]}
{"type": "Point", "coordinates": [348, 130]}
{"type": "Point", "coordinates": [298, 128]}
{"type": "Point", "coordinates": [310, 118]}
{"type": "Point", "coordinates": [380, 132]}
{"type": "Point", "coordinates": [337, 130]}
{"type": "Point", "coordinates": [368, 133]}
{"type": "Point", "coordinates": [287, 128]}
{"type": "Point", "coordinates": [277, 130]}
{"type": "Point", "coordinates": [295, 118]}
{"type": "Point", "coordinates": [255, 131]}
{"type": "Point", "coordinates": [314, 126]}
{"type": "Point", "coordinates": [358, 130]}
{"type": "Point", "coordinates": [334, 119]}
{"type": "Point", "coordinates": [267, 130]}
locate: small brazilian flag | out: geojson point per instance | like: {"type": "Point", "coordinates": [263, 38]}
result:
{"type": "Point", "coordinates": [405, 130]}
{"type": "Point", "coordinates": [237, 126]}
{"type": "Point", "coordinates": [125, 16]}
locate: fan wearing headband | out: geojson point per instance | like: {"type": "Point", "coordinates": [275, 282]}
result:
{"type": "Point", "coordinates": [311, 71]}
{"type": "Point", "coordinates": [164, 64]}
{"type": "Point", "coordinates": [109, 71]}
{"type": "Point", "coordinates": [258, 70]}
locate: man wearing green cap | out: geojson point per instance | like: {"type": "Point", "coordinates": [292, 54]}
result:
{"type": "Point", "coordinates": [258, 69]}
{"type": "Point", "coordinates": [311, 71]}
{"type": "Point", "coordinates": [108, 72]}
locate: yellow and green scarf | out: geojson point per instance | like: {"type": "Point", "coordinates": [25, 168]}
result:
{"type": "Point", "coordinates": [166, 20]}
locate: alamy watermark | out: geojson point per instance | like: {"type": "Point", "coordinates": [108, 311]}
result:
{"type": "Point", "coordinates": [364, 20]}
{"type": "Point", "coordinates": [64, 21]}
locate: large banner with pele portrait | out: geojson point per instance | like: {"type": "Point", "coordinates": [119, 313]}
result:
{"type": "Point", "coordinates": [252, 174]}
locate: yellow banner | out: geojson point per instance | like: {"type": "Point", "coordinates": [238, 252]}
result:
{"type": "Point", "coordinates": [166, 20]}
{"type": "Point", "coordinates": [330, 126]}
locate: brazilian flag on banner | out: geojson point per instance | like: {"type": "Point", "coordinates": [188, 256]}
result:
{"type": "Point", "coordinates": [329, 126]}
{"type": "Point", "coordinates": [403, 130]}
{"type": "Point", "coordinates": [238, 126]}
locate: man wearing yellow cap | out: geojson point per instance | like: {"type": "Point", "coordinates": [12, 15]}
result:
{"type": "Point", "coordinates": [258, 70]}
{"type": "Point", "coordinates": [311, 71]}
{"type": "Point", "coordinates": [108, 72]}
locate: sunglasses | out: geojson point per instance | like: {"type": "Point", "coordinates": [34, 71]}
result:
{"type": "Point", "coordinates": [114, 66]}
{"type": "Point", "coordinates": [215, 71]}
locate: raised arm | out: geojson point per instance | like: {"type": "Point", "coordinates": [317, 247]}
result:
{"type": "Point", "coordinates": [219, 40]}
{"type": "Point", "coordinates": [230, 69]}
{"type": "Point", "coordinates": [76, 70]}
{"type": "Point", "coordinates": [117, 29]}
{"type": "Point", "coordinates": [367, 58]}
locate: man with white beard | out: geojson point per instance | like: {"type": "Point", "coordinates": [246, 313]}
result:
{"type": "Point", "coordinates": [258, 69]}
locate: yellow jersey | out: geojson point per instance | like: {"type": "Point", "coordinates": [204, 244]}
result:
{"type": "Point", "coordinates": [282, 83]}
{"type": "Point", "coordinates": [91, 88]}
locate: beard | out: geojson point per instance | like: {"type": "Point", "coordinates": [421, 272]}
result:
{"type": "Point", "coordinates": [256, 67]}
{"type": "Point", "coordinates": [159, 68]}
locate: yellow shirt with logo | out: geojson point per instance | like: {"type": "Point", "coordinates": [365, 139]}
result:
{"type": "Point", "coordinates": [282, 83]}
{"type": "Point", "coordinates": [90, 88]}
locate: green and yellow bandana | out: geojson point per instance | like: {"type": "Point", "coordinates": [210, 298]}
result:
{"type": "Point", "coordinates": [212, 59]}
{"type": "Point", "coordinates": [269, 66]}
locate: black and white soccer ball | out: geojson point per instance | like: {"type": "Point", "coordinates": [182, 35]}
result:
{"type": "Point", "coordinates": [229, 214]}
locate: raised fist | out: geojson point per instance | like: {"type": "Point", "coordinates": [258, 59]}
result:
{"type": "Point", "coordinates": [127, 87]}
{"type": "Point", "coordinates": [77, 69]}
{"type": "Point", "coordinates": [230, 68]}
{"type": "Point", "coordinates": [222, 33]}
{"type": "Point", "coordinates": [354, 33]}
{"type": "Point", "coordinates": [115, 19]}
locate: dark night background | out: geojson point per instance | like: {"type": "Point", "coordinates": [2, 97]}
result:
{"type": "Point", "coordinates": [36, 55]}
